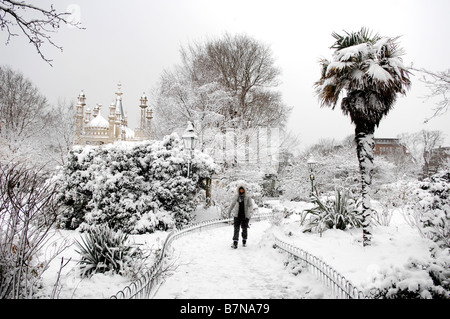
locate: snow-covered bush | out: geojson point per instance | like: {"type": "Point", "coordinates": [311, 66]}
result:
{"type": "Point", "coordinates": [135, 187]}
{"type": "Point", "coordinates": [339, 212]}
{"type": "Point", "coordinates": [388, 199]}
{"type": "Point", "coordinates": [430, 209]}
{"type": "Point", "coordinates": [419, 279]}
{"type": "Point", "coordinates": [426, 207]}
{"type": "Point", "coordinates": [103, 250]}
{"type": "Point", "coordinates": [270, 186]}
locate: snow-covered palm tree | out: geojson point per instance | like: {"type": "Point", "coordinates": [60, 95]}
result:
{"type": "Point", "coordinates": [366, 74]}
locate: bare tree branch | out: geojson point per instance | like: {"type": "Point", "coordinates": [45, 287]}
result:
{"type": "Point", "coordinates": [37, 29]}
{"type": "Point", "coordinates": [439, 85]}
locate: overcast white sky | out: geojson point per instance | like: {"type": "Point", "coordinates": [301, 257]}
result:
{"type": "Point", "coordinates": [133, 41]}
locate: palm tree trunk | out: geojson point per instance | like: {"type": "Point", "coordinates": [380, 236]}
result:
{"type": "Point", "coordinates": [365, 151]}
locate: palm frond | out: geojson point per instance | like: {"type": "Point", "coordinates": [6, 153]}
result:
{"type": "Point", "coordinates": [369, 69]}
{"type": "Point", "coordinates": [354, 38]}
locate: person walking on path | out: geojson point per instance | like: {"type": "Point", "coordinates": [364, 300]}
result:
{"type": "Point", "coordinates": [242, 209]}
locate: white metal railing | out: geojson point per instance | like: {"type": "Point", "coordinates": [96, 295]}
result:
{"type": "Point", "coordinates": [340, 287]}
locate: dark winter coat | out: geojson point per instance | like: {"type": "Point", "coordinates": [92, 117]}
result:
{"type": "Point", "coordinates": [248, 205]}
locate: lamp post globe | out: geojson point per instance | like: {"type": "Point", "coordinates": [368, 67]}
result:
{"type": "Point", "coordinates": [312, 163]}
{"type": "Point", "coordinates": [190, 141]}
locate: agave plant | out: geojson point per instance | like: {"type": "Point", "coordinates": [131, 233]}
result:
{"type": "Point", "coordinates": [103, 250]}
{"type": "Point", "coordinates": [365, 75]}
{"type": "Point", "coordinates": [338, 212]}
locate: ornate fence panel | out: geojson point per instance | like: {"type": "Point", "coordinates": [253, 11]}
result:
{"type": "Point", "coordinates": [339, 285]}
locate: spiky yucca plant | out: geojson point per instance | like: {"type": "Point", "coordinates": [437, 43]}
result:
{"type": "Point", "coordinates": [366, 74]}
{"type": "Point", "coordinates": [339, 212]}
{"type": "Point", "coordinates": [103, 250]}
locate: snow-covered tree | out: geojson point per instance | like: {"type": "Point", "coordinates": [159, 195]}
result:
{"type": "Point", "coordinates": [365, 75]}
{"type": "Point", "coordinates": [23, 114]}
{"type": "Point", "coordinates": [420, 146]}
{"type": "Point", "coordinates": [246, 68]}
{"type": "Point", "coordinates": [224, 82]}
{"type": "Point", "coordinates": [32, 130]}
{"type": "Point", "coordinates": [179, 100]}
{"type": "Point", "coordinates": [60, 132]}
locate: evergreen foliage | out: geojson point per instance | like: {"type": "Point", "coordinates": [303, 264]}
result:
{"type": "Point", "coordinates": [339, 212]}
{"type": "Point", "coordinates": [103, 250]}
{"type": "Point", "coordinates": [432, 203]}
{"type": "Point", "coordinates": [135, 187]}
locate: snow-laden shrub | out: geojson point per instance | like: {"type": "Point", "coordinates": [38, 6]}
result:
{"type": "Point", "coordinates": [339, 212]}
{"type": "Point", "coordinates": [429, 209]}
{"type": "Point", "coordinates": [388, 199]}
{"type": "Point", "coordinates": [103, 251]}
{"type": "Point", "coordinates": [270, 186]}
{"type": "Point", "coordinates": [135, 187]}
{"type": "Point", "coordinates": [419, 279]}
{"type": "Point", "coordinates": [426, 207]}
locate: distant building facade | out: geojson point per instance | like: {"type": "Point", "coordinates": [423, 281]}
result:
{"type": "Point", "coordinates": [93, 129]}
{"type": "Point", "coordinates": [389, 146]}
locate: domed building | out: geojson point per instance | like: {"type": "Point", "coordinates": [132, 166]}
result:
{"type": "Point", "coordinates": [93, 129]}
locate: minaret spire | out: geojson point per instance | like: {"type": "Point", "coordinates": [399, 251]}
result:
{"type": "Point", "coordinates": [119, 99]}
{"type": "Point", "coordinates": [143, 106]}
{"type": "Point", "coordinates": [79, 115]}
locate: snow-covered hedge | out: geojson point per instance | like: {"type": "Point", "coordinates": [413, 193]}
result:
{"type": "Point", "coordinates": [433, 202]}
{"type": "Point", "coordinates": [426, 206]}
{"type": "Point", "coordinates": [135, 187]}
{"type": "Point", "coordinates": [418, 279]}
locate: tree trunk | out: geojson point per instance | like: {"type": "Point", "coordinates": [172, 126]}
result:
{"type": "Point", "coordinates": [365, 150]}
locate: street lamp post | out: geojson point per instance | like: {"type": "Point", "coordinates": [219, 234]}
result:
{"type": "Point", "coordinates": [189, 140]}
{"type": "Point", "coordinates": [311, 165]}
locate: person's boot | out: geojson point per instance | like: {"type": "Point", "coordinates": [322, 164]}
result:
{"type": "Point", "coordinates": [235, 244]}
{"type": "Point", "coordinates": [244, 242]}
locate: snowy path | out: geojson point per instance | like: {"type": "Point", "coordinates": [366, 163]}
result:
{"type": "Point", "coordinates": [208, 268]}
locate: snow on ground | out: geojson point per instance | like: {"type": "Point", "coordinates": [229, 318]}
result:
{"type": "Point", "coordinates": [209, 268]}
{"type": "Point", "coordinates": [392, 247]}
{"type": "Point", "coordinates": [99, 286]}
{"type": "Point", "coordinates": [343, 250]}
